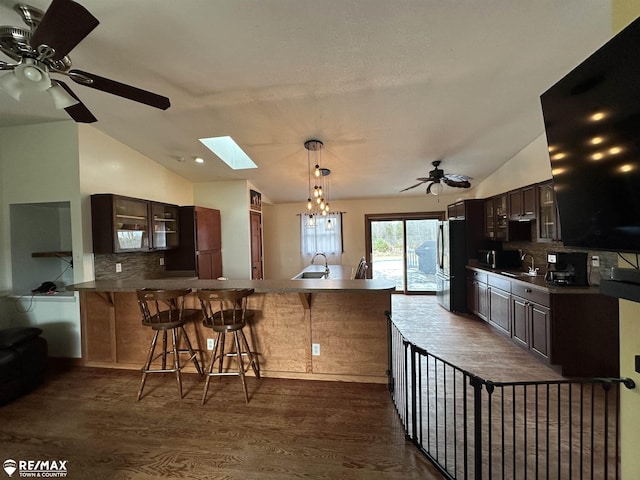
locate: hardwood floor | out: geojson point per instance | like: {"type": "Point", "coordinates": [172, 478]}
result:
{"type": "Point", "coordinates": [290, 428]}
{"type": "Point", "coordinates": [466, 341]}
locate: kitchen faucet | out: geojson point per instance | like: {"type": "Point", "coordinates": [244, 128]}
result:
{"type": "Point", "coordinates": [326, 263]}
{"type": "Point", "coordinates": [532, 269]}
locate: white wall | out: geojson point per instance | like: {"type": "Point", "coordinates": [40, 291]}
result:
{"type": "Point", "coordinates": [530, 165]}
{"type": "Point", "coordinates": [281, 227]}
{"type": "Point", "coordinates": [232, 199]}
{"type": "Point", "coordinates": [39, 164]}
{"type": "Point", "coordinates": [108, 166]}
{"type": "Point", "coordinates": [66, 162]}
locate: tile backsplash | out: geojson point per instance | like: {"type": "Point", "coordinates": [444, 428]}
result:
{"type": "Point", "coordinates": [539, 251]}
{"type": "Point", "coordinates": [134, 265]}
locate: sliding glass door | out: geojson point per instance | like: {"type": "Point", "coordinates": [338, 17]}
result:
{"type": "Point", "coordinates": [402, 248]}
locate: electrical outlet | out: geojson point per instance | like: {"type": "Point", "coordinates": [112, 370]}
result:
{"type": "Point", "coordinates": [315, 349]}
{"type": "Point", "coordinates": [118, 267]}
{"type": "Point", "coordinates": [209, 343]}
{"type": "Point", "coordinates": [161, 261]}
{"type": "Point", "coordinates": [595, 261]}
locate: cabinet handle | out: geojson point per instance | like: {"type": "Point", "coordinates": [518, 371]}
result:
{"type": "Point", "coordinates": [528, 290]}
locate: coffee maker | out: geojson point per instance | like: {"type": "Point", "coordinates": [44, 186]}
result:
{"type": "Point", "coordinates": [565, 268]}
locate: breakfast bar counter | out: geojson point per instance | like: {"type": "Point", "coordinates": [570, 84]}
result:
{"type": "Point", "coordinates": [343, 318]}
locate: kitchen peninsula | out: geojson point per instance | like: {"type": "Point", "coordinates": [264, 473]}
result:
{"type": "Point", "coordinates": [343, 317]}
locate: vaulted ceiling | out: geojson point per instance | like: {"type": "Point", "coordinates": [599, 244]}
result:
{"type": "Point", "coordinates": [388, 86]}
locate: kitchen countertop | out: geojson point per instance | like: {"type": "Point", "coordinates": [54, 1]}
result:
{"type": "Point", "coordinates": [339, 281]}
{"type": "Point", "coordinates": [537, 281]}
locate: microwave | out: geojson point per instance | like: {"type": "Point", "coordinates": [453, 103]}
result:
{"type": "Point", "coordinates": [499, 258]}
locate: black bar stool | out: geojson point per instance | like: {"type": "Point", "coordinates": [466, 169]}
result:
{"type": "Point", "coordinates": [361, 269]}
{"type": "Point", "coordinates": [163, 311]}
{"type": "Point", "coordinates": [225, 311]}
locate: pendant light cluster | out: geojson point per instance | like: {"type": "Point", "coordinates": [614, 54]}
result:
{"type": "Point", "coordinates": [318, 200]}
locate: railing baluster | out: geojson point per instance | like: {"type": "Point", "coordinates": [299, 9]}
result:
{"type": "Point", "coordinates": [570, 430]}
{"type": "Point", "coordinates": [432, 398]}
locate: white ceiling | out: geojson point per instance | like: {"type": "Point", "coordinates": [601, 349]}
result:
{"type": "Point", "coordinates": [388, 86]}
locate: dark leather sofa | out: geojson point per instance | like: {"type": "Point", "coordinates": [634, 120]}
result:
{"type": "Point", "coordinates": [23, 361]}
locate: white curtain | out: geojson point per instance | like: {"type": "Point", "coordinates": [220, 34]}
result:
{"type": "Point", "coordinates": [325, 236]}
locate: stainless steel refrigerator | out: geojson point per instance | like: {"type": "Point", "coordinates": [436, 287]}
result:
{"type": "Point", "coordinates": [452, 254]}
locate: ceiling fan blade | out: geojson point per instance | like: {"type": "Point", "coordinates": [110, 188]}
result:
{"type": "Point", "coordinates": [429, 187]}
{"type": "Point", "coordinates": [64, 25]}
{"type": "Point", "coordinates": [412, 186]}
{"type": "Point", "coordinates": [457, 178]}
{"type": "Point", "coordinates": [78, 112]}
{"type": "Point", "coordinates": [456, 183]}
{"type": "Point", "coordinates": [120, 89]}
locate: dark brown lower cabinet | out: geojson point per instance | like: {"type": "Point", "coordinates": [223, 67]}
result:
{"type": "Point", "coordinates": [499, 309]}
{"type": "Point", "coordinates": [500, 303]}
{"type": "Point", "coordinates": [478, 294]}
{"type": "Point", "coordinates": [530, 326]}
{"type": "Point", "coordinates": [574, 330]}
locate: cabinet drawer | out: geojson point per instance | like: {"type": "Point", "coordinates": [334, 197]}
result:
{"type": "Point", "coordinates": [533, 294]}
{"type": "Point", "coordinates": [500, 282]}
{"type": "Point", "coordinates": [478, 276]}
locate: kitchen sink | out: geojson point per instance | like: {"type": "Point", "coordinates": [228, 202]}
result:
{"type": "Point", "coordinates": [309, 275]}
{"type": "Point", "coordinates": [512, 274]}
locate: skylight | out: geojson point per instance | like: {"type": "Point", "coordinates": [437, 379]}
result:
{"type": "Point", "coordinates": [229, 152]}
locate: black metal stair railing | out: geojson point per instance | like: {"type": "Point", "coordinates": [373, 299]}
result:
{"type": "Point", "coordinates": [473, 428]}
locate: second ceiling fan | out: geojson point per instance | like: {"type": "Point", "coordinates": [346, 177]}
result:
{"type": "Point", "coordinates": [437, 177]}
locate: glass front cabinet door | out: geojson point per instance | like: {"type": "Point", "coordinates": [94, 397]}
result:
{"type": "Point", "coordinates": [164, 220]}
{"type": "Point", "coordinates": [548, 225]}
{"type": "Point", "coordinates": [124, 224]}
{"type": "Point", "coordinates": [132, 224]}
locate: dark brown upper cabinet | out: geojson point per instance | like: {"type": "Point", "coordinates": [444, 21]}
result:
{"type": "Point", "coordinates": [124, 224]}
{"type": "Point", "coordinates": [522, 203]}
{"type": "Point", "coordinates": [499, 226]}
{"type": "Point", "coordinates": [466, 209]}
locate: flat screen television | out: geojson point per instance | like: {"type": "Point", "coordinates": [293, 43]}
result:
{"type": "Point", "coordinates": [592, 123]}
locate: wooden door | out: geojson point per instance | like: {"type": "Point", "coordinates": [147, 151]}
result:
{"type": "Point", "coordinates": [256, 245]}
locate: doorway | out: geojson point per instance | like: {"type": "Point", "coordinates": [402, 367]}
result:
{"type": "Point", "coordinates": [402, 248]}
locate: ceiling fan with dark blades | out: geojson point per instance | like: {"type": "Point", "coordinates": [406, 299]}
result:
{"type": "Point", "coordinates": [437, 177]}
{"type": "Point", "coordinates": [43, 50]}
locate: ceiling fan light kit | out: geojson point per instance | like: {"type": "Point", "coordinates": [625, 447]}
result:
{"type": "Point", "coordinates": [42, 50]}
{"type": "Point", "coordinates": [61, 98]}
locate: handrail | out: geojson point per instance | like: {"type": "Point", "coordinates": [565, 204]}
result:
{"type": "Point", "coordinates": [470, 427]}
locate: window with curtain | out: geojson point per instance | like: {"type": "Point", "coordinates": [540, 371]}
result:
{"type": "Point", "coordinates": [323, 237]}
